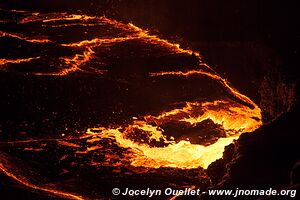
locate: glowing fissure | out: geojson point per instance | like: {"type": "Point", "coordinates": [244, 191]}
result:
{"type": "Point", "coordinates": [74, 63]}
{"type": "Point", "coordinates": [137, 33]}
{"type": "Point", "coordinates": [15, 61]}
{"type": "Point", "coordinates": [232, 90]}
{"type": "Point", "coordinates": [27, 39]}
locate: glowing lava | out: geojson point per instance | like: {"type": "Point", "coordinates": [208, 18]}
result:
{"type": "Point", "coordinates": [234, 118]}
{"type": "Point", "coordinates": [145, 142]}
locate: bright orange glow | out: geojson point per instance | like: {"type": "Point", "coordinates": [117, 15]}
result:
{"type": "Point", "coordinates": [15, 61]}
{"type": "Point", "coordinates": [235, 119]}
{"type": "Point", "coordinates": [21, 37]}
{"type": "Point", "coordinates": [76, 62]}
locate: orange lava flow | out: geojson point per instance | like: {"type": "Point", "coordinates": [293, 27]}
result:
{"type": "Point", "coordinates": [16, 61]}
{"type": "Point", "coordinates": [76, 62]}
{"type": "Point", "coordinates": [235, 119]}
{"type": "Point", "coordinates": [133, 31]}
{"type": "Point", "coordinates": [232, 90]}
{"type": "Point", "coordinates": [21, 37]}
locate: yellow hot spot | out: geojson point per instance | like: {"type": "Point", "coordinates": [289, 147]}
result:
{"type": "Point", "coordinates": [232, 118]}
{"type": "Point", "coordinates": [235, 119]}
{"type": "Point", "coordinates": [177, 155]}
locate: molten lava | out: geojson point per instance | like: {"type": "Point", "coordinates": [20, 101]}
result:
{"type": "Point", "coordinates": [234, 118]}
{"type": "Point", "coordinates": [148, 141]}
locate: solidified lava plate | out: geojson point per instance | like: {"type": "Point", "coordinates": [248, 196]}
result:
{"type": "Point", "coordinates": [162, 114]}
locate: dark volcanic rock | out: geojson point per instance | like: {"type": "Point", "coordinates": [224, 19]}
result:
{"type": "Point", "coordinates": [204, 133]}
{"type": "Point", "coordinates": [277, 95]}
{"type": "Point", "coordinates": [263, 159]}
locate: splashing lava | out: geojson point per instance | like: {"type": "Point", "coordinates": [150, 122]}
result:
{"type": "Point", "coordinates": [175, 136]}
